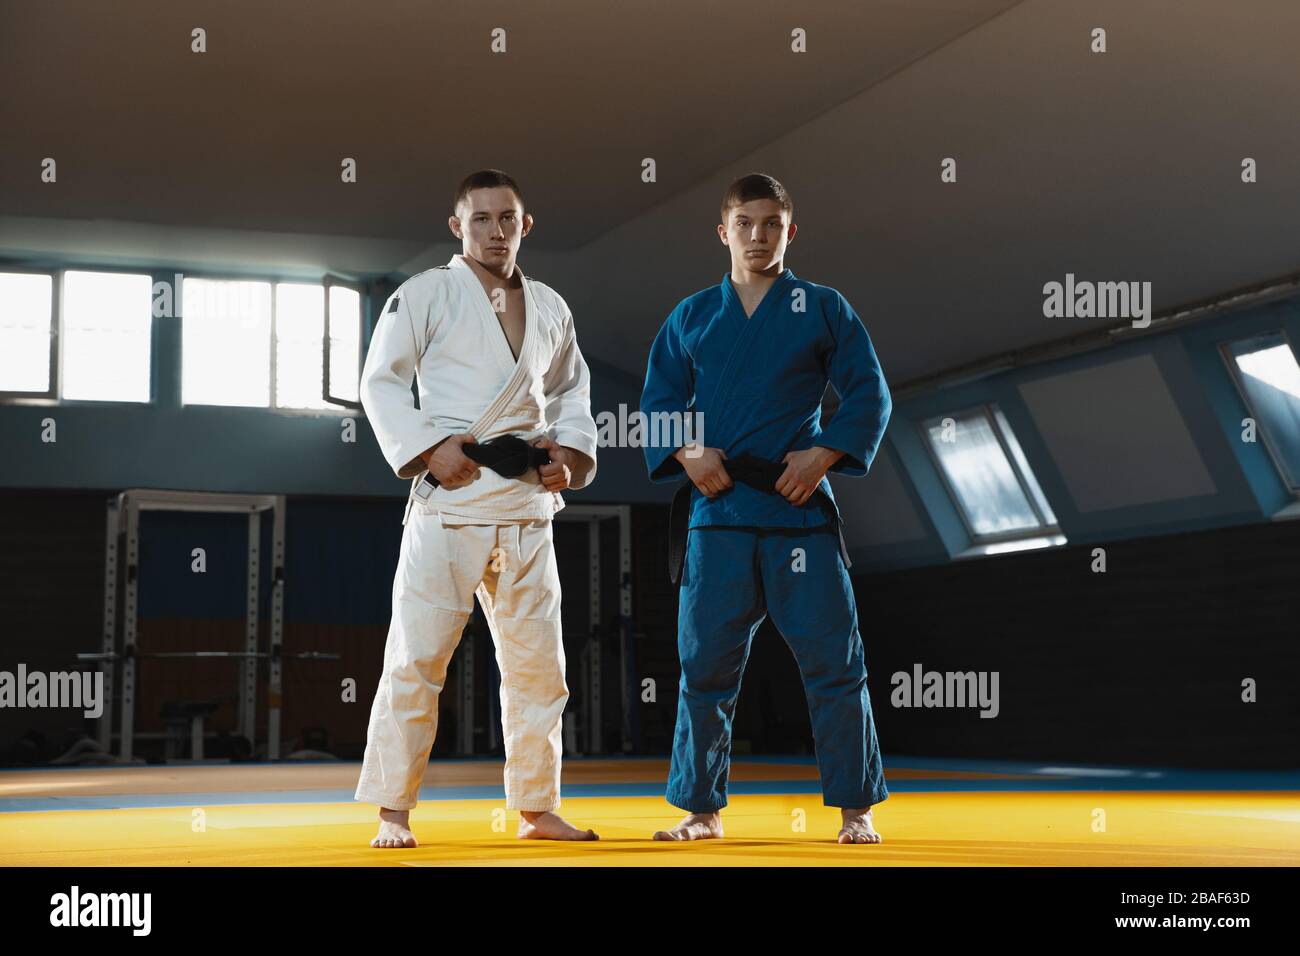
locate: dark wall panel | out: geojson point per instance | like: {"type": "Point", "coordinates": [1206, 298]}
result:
{"type": "Point", "coordinates": [1140, 665]}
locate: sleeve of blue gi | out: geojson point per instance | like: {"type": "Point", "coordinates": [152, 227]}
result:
{"type": "Point", "coordinates": [567, 385]}
{"type": "Point", "coordinates": [859, 423]}
{"type": "Point", "coordinates": [669, 390]}
{"type": "Point", "coordinates": [403, 431]}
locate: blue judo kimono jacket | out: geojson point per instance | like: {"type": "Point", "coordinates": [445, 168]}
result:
{"type": "Point", "coordinates": [757, 383]}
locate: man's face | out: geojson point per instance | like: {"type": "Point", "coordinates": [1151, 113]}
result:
{"type": "Point", "coordinates": [490, 223]}
{"type": "Point", "coordinates": [757, 233]}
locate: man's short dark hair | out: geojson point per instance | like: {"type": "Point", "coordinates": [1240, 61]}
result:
{"type": "Point", "coordinates": [485, 179]}
{"type": "Point", "coordinates": [756, 186]}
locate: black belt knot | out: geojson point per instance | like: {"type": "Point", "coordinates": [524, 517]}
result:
{"type": "Point", "coordinates": [508, 455]}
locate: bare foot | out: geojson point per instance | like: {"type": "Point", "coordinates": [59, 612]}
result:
{"type": "Point", "coordinates": [857, 827]}
{"type": "Point", "coordinates": [696, 826]}
{"type": "Point", "coordinates": [549, 826]}
{"type": "Point", "coordinates": [394, 832]}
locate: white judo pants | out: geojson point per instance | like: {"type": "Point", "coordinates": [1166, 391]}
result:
{"type": "Point", "coordinates": [445, 561]}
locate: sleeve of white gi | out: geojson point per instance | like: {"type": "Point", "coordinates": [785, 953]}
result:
{"type": "Point", "coordinates": [567, 385]}
{"type": "Point", "coordinates": [403, 431]}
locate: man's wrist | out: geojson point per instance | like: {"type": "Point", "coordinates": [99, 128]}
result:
{"type": "Point", "coordinates": [829, 455]}
{"type": "Point", "coordinates": [579, 462]}
{"type": "Point", "coordinates": [428, 452]}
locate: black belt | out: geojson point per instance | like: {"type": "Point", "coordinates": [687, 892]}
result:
{"type": "Point", "coordinates": [759, 473]}
{"type": "Point", "coordinates": [508, 455]}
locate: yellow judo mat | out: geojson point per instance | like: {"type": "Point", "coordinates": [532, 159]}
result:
{"type": "Point", "coordinates": [278, 815]}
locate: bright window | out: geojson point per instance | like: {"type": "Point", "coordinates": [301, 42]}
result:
{"type": "Point", "coordinates": [236, 332]}
{"type": "Point", "coordinates": [1269, 378]}
{"type": "Point", "coordinates": [345, 343]}
{"type": "Point", "coordinates": [226, 343]}
{"type": "Point", "coordinates": [26, 313]}
{"type": "Point", "coordinates": [299, 350]}
{"type": "Point", "coordinates": [107, 319]}
{"type": "Point", "coordinates": [988, 475]}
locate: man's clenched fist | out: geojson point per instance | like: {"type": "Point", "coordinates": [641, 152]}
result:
{"type": "Point", "coordinates": [449, 464]}
{"type": "Point", "coordinates": [705, 469]}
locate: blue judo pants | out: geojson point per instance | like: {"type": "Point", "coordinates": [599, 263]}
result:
{"type": "Point", "coordinates": [732, 579]}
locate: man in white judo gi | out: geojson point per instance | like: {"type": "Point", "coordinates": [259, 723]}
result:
{"type": "Point", "coordinates": [495, 354]}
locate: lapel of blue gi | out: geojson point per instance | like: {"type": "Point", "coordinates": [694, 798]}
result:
{"type": "Point", "coordinates": [749, 332]}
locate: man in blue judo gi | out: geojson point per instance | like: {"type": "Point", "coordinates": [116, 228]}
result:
{"type": "Point", "coordinates": [749, 359]}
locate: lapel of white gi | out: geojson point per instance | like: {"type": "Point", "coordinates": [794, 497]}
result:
{"type": "Point", "coordinates": [523, 367]}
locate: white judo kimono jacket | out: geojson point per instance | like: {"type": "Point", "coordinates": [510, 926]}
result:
{"type": "Point", "coordinates": [490, 538]}
{"type": "Point", "coordinates": [440, 324]}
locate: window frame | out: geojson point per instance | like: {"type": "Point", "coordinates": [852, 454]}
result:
{"type": "Point", "coordinates": [1234, 373]}
{"type": "Point", "coordinates": [52, 397]}
{"type": "Point", "coordinates": [152, 275]}
{"type": "Point", "coordinates": [1044, 529]}
{"type": "Point", "coordinates": [51, 393]}
{"type": "Point", "coordinates": [272, 280]}
{"type": "Point", "coordinates": [180, 338]}
{"type": "Point", "coordinates": [329, 282]}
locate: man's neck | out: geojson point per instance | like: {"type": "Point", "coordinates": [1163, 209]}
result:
{"type": "Point", "coordinates": [490, 277]}
{"type": "Point", "coordinates": [749, 279]}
